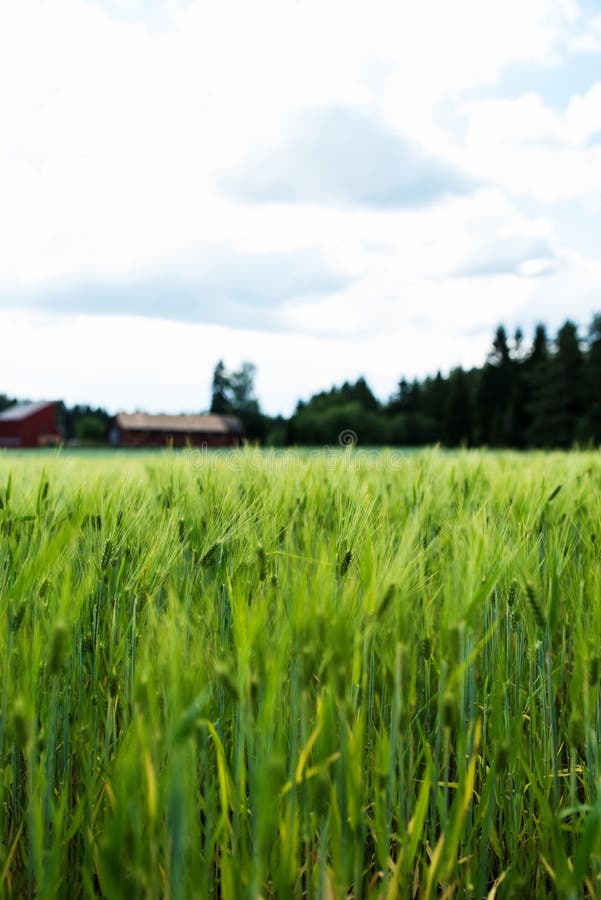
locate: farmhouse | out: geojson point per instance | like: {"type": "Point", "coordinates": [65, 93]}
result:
{"type": "Point", "coordinates": [142, 430]}
{"type": "Point", "coordinates": [30, 425]}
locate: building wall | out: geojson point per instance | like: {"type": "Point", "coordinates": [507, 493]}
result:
{"type": "Point", "coordinates": [31, 431]}
{"type": "Point", "coordinates": [133, 438]}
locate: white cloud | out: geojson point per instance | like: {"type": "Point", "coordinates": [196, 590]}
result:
{"type": "Point", "coordinates": [589, 39]}
{"type": "Point", "coordinates": [112, 134]}
{"type": "Point", "coordinates": [528, 121]}
{"type": "Point", "coordinates": [526, 147]}
{"type": "Point", "coordinates": [117, 134]}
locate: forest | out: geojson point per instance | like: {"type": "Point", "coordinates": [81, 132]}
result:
{"type": "Point", "coordinates": [540, 393]}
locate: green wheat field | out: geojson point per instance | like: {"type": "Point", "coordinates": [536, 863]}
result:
{"type": "Point", "coordinates": [300, 676]}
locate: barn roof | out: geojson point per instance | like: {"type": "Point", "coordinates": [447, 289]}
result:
{"type": "Point", "coordinates": [21, 411]}
{"type": "Point", "coordinates": [209, 424]}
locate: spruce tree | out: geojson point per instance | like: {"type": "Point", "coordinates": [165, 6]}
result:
{"type": "Point", "coordinates": [220, 390]}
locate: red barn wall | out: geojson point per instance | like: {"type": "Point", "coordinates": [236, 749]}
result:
{"type": "Point", "coordinates": [30, 431]}
{"type": "Point", "coordinates": [140, 438]}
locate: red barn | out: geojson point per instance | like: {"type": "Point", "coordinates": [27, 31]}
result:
{"type": "Point", "coordinates": [29, 425]}
{"type": "Point", "coordinates": [142, 430]}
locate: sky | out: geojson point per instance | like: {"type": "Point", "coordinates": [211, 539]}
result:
{"type": "Point", "coordinates": [326, 188]}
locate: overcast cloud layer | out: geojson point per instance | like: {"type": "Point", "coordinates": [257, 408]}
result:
{"type": "Point", "coordinates": [326, 189]}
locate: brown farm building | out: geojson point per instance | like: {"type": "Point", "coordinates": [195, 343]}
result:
{"type": "Point", "coordinates": [29, 425]}
{"type": "Point", "coordinates": [142, 430]}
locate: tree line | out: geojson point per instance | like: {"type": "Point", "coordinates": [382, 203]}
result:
{"type": "Point", "coordinates": [543, 393]}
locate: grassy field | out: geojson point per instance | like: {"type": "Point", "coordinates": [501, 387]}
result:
{"type": "Point", "coordinates": [340, 675]}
